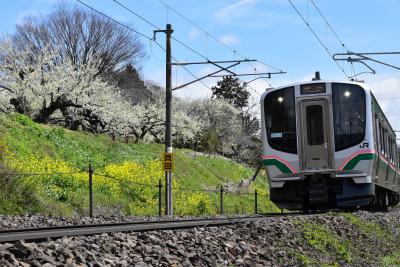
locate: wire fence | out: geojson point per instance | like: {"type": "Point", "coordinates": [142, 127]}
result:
{"type": "Point", "coordinates": [212, 201]}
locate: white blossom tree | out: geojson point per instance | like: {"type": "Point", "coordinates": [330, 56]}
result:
{"type": "Point", "coordinates": [226, 130]}
{"type": "Point", "coordinates": [50, 92]}
{"type": "Point", "coordinates": [40, 87]}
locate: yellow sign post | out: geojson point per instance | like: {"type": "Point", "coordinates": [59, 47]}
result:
{"type": "Point", "coordinates": [167, 161]}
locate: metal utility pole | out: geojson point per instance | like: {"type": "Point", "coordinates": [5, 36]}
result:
{"type": "Point", "coordinates": [168, 121]}
{"type": "Point", "coordinates": [169, 211]}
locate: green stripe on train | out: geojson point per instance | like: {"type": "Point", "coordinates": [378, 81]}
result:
{"type": "Point", "coordinates": [274, 162]}
{"type": "Point", "coordinates": [354, 161]}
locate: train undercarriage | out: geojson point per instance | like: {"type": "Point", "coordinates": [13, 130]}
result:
{"type": "Point", "coordinates": [321, 192]}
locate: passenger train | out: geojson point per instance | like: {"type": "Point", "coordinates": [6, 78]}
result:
{"type": "Point", "coordinates": [328, 145]}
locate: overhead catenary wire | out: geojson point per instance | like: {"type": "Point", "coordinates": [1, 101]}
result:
{"type": "Point", "coordinates": [319, 39]}
{"type": "Point", "coordinates": [212, 36]}
{"type": "Point", "coordinates": [158, 28]}
{"type": "Point", "coordinates": [158, 44]}
{"type": "Point", "coordinates": [329, 25]}
{"type": "Point", "coordinates": [137, 15]}
{"type": "Point", "coordinates": [141, 34]}
{"type": "Point", "coordinates": [180, 42]}
{"type": "Point", "coordinates": [153, 39]}
{"type": "Point", "coordinates": [114, 20]}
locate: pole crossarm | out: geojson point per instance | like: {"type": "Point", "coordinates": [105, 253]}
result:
{"type": "Point", "coordinates": [223, 68]}
{"type": "Point", "coordinates": [206, 76]}
{"type": "Point", "coordinates": [261, 77]}
{"type": "Point", "coordinates": [362, 57]}
{"type": "Point", "coordinates": [250, 74]}
{"type": "Point", "coordinates": [212, 62]}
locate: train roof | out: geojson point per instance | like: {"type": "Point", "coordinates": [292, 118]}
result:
{"type": "Point", "coordinates": [363, 85]}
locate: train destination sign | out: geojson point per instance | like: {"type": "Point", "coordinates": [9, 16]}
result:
{"type": "Point", "coordinates": [314, 88]}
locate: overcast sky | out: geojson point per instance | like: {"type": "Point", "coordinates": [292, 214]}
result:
{"type": "Point", "coordinates": [267, 30]}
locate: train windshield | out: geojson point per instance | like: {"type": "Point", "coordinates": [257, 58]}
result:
{"type": "Point", "coordinates": [280, 120]}
{"type": "Point", "coordinates": [348, 115]}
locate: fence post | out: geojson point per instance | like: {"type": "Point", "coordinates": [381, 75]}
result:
{"type": "Point", "coordinates": [90, 190]}
{"type": "Point", "coordinates": [221, 200]}
{"type": "Point", "coordinates": [255, 201]}
{"type": "Point", "coordinates": [159, 198]}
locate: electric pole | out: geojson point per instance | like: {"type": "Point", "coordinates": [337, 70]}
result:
{"type": "Point", "coordinates": [169, 211]}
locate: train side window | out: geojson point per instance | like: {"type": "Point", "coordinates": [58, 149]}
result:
{"type": "Point", "coordinates": [381, 139]}
{"type": "Point", "coordinates": [377, 135]}
{"type": "Point", "coordinates": [386, 143]}
{"type": "Point", "coordinates": [397, 158]}
{"type": "Point", "coordinates": [392, 151]}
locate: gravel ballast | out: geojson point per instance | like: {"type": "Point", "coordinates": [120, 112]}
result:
{"type": "Point", "coordinates": [345, 239]}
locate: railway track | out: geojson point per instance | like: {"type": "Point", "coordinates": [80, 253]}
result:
{"type": "Point", "coordinates": [34, 234]}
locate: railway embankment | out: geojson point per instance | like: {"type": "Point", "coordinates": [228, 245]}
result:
{"type": "Point", "coordinates": [45, 169]}
{"type": "Point", "coordinates": [331, 239]}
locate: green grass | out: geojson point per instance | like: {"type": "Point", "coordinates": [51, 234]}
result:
{"type": "Point", "coordinates": [303, 259]}
{"type": "Point", "coordinates": [194, 171]}
{"type": "Point", "coordinates": [370, 229]}
{"type": "Point", "coordinates": [391, 260]}
{"type": "Point", "coordinates": [323, 240]}
{"type": "Point", "coordinates": [376, 232]}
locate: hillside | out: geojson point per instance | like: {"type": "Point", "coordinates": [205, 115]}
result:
{"type": "Point", "coordinates": [44, 170]}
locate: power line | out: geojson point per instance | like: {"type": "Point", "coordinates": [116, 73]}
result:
{"type": "Point", "coordinates": [177, 40]}
{"type": "Point", "coordinates": [212, 36]}
{"type": "Point", "coordinates": [317, 37]}
{"type": "Point", "coordinates": [137, 15]}
{"type": "Point", "coordinates": [185, 45]}
{"type": "Point", "coordinates": [329, 25]}
{"type": "Point", "coordinates": [254, 90]}
{"type": "Point", "coordinates": [116, 21]}
{"type": "Point", "coordinates": [141, 34]}
{"type": "Point", "coordinates": [156, 27]}
{"type": "Point", "coordinates": [153, 39]}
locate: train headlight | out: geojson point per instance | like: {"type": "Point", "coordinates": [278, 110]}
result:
{"type": "Point", "coordinates": [280, 99]}
{"type": "Point", "coordinates": [347, 93]}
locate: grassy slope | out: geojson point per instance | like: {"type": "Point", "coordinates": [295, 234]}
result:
{"type": "Point", "coordinates": [26, 139]}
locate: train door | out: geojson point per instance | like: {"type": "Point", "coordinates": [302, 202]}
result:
{"type": "Point", "coordinates": [315, 135]}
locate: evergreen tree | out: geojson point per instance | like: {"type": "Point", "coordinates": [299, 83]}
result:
{"type": "Point", "coordinates": [132, 86]}
{"type": "Point", "coordinates": [230, 89]}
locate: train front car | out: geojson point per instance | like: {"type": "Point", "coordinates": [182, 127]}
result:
{"type": "Point", "coordinates": [318, 145]}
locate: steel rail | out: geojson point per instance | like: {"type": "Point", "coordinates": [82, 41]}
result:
{"type": "Point", "coordinates": [42, 233]}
